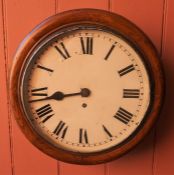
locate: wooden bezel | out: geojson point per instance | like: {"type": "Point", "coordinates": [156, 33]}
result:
{"type": "Point", "coordinates": [90, 17]}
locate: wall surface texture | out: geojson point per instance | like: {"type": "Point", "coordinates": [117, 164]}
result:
{"type": "Point", "coordinates": [154, 156]}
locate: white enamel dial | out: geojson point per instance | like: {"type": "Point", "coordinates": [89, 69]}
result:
{"type": "Point", "coordinates": [105, 86]}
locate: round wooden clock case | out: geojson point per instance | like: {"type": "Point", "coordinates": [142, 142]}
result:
{"type": "Point", "coordinates": [86, 86]}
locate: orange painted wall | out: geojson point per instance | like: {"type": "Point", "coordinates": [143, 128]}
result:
{"type": "Point", "coordinates": [154, 156]}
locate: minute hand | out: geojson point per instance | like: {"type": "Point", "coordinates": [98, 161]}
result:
{"type": "Point", "coordinates": [60, 95]}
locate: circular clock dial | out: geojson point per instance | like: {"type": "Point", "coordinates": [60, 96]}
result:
{"type": "Point", "coordinates": [85, 90]}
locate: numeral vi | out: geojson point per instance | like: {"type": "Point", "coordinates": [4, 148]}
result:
{"type": "Point", "coordinates": [83, 137]}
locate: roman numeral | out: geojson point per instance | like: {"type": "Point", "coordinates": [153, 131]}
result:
{"type": "Point", "coordinates": [107, 131]}
{"type": "Point", "coordinates": [44, 68]}
{"type": "Point", "coordinates": [123, 115]}
{"type": "Point", "coordinates": [131, 93]}
{"type": "Point", "coordinates": [61, 129]}
{"type": "Point", "coordinates": [109, 52]}
{"type": "Point", "coordinates": [87, 45]}
{"type": "Point", "coordinates": [126, 70]}
{"type": "Point", "coordinates": [45, 111]}
{"type": "Point", "coordinates": [83, 137]}
{"type": "Point", "coordinates": [38, 92]}
{"type": "Point", "coordinates": [62, 50]}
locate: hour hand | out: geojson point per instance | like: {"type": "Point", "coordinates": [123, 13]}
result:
{"type": "Point", "coordinates": [56, 96]}
{"type": "Point", "coordinates": [60, 95]}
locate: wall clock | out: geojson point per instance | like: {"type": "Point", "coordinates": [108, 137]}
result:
{"type": "Point", "coordinates": [86, 86]}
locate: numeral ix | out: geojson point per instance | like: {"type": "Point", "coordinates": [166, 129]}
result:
{"type": "Point", "coordinates": [39, 92]}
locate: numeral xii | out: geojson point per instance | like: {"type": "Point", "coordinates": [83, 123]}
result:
{"type": "Point", "coordinates": [87, 45]}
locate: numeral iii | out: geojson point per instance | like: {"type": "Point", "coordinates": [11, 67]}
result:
{"type": "Point", "coordinates": [131, 93]}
